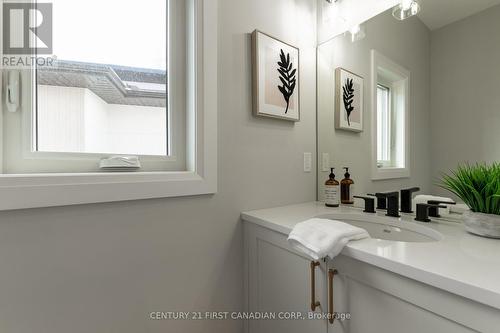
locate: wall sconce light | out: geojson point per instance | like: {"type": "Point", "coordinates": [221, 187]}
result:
{"type": "Point", "coordinates": [406, 9]}
{"type": "Point", "coordinates": [357, 33]}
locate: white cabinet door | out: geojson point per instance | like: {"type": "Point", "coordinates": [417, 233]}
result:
{"type": "Point", "coordinates": [278, 282]}
{"type": "Point", "coordinates": [383, 302]}
{"type": "Point", "coordinates": [338, 299]}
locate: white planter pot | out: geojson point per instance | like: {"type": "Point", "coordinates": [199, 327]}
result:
{"type": "Point", "coordinates": [482, 224]}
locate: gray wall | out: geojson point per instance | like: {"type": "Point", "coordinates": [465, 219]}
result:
{"type": "Point", "coordinates": [103, 268]}
{"type": "Point", "coordinates": [407, 43]}
{"type": "Point", "coordinates": [465, 91]}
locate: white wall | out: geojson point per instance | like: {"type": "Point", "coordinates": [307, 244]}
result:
{"type": "Point", "coordinates": [465, 86]}
{"type": "Point", "coordinates": [96, 125]}
{"type": "Point", "coordinates": [407, 43]}
{"type": "Point", "coordinates": [77, 120]}
{"type": "Point", "coordinates": [137, 129]}
{"type": "Point", "coordinates": [61, 116]}
{"type": "Point", "coordinates": [103, 268]}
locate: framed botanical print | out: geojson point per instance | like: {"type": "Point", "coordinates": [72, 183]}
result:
{"type": "Point", "coordinates": [348, 100]}
{"type": "Point", "coordinates": [275, 78]}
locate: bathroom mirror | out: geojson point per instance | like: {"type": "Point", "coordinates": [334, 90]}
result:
{"type": "Point", "coordinates": [401, 101]}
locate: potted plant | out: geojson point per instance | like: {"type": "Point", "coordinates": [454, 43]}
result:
{"type": "Point", "coordinates": [479, 188]}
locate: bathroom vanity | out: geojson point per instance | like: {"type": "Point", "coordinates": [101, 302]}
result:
{"type": "Point", "coordinates": [408, 277]}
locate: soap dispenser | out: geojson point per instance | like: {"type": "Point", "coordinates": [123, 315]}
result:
{"type": "Point", "coordinates": [332, 189]}
{"type": "Point", "coordinates": [346, 188]}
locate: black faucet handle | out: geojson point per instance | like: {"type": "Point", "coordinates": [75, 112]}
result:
{"type": "Point", "coordinates": [388, 194]}
{"type": "Point", "coordinates": [392, 203]}
{"type": "Point", "coordinates": [369, 203]}
{"type": "Point", "coordinates": [439, 202]}
{"type": "Point", "coordinates": [406, 199]}
{"type": "Point", "coordinates": [411, 189]}
{"type": "Point", "coordinates": [381, 201]}
{"type": "Point", "coordinates": [434, 211]}
{"type": "Point", "coordinates": [423, 211]}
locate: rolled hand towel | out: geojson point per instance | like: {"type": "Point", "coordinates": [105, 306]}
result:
{"type": "Point", "coordinates": [321, 238]}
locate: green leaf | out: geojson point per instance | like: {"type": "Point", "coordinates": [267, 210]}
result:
{"type": "Point", "coordinates": [477, 185]}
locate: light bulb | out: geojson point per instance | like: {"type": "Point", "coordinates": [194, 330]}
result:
{"type": "Point", "coordinates": [354, 30]}
{"type": "Point", "coordinates": [414, 8]}
{"type": "Point", "coordinates": [406, 9]}
{"type": "Point", "coordinates": [357, 33]}
{"type": "Point", "coordinates": [406, 4]}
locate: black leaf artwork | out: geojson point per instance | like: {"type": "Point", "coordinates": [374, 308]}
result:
{"type": "Point", "coordinates": [348, 98]}
{"type": "Point", "coordinates": [287, 77]}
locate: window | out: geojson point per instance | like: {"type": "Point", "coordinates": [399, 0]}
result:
{"type": "Point", "coordinates": [107, 91]}
{"type": "Point", "coordinates": [391, 118]}
{"type": "Point", "coordinates": [383, 126]}
{"type": "Point", "coordinates": [115, 88]}
{"type": "Point", "coordinates": [131, 78]}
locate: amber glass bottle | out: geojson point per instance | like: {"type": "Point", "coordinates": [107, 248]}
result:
{"type": "Point", "coordinates": [346, 188]}
{"type": "Point", "coordinates": [332, 188]}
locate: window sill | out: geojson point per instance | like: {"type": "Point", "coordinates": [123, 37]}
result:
{"type": "Point", "coordinates": [390, 173]}
{"type": "Point", "coordinates": [48, 190]}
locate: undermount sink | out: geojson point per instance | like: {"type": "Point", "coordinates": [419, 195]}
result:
{"type": "Point", "coordinates": [389, 228]}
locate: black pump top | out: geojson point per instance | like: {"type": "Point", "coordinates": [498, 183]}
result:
{"type": "Point", "coordinates": [347, 174]}
{"type": "Point", "coordinates": [332, 175]}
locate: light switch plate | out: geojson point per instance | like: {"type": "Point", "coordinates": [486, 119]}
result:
{"type": "Point", "coordinates": [307, 162]}
{"type": "Point", "coordinates": [325, 162]}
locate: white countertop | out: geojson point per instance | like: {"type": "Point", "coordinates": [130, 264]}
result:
{"type": "Point", "coordinates": [460, 263]}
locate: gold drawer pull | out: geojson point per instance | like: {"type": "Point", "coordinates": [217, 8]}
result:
{"type": "Point", "coordinates": [314, 303]}
{"type": "Point", "coordinates": [331, 312]}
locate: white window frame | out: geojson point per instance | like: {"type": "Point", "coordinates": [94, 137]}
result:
{"type": "Point", "coordinates": [86, 162]}
{"type": "Point", "coordinates": [399, 88]}
{"type": "Point", "coordinates": [19, 191]}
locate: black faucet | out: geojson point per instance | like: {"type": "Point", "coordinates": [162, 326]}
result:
{"type": "Point", "coordinates": [434, 211]}
{"type": "Point", "coordinates": [381, 200]}
{"type": "Point", "coordinates": [406, 199]}
{"type": "Point", "coordinates": [392, 203]}
{"type": "Point", "coordinates": [423, 211]}
{"type": "Point", "coordinates": [369, 204]}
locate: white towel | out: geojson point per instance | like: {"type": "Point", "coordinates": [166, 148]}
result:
{"type": "Point", "coordinates": [425, 198]}
{"type": "Point", "coordinates": [321, 238]}
{"type": "Point", "coordinates": [459, 209]}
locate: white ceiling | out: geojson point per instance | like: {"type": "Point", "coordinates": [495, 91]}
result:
{"type": "Point", "coordinates": [438, 13]}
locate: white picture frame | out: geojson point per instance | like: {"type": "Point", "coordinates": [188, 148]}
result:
{"type": "Point", "coordinates": [349, 100]}
{"type": "Point", "coordinates": [276, 74]}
